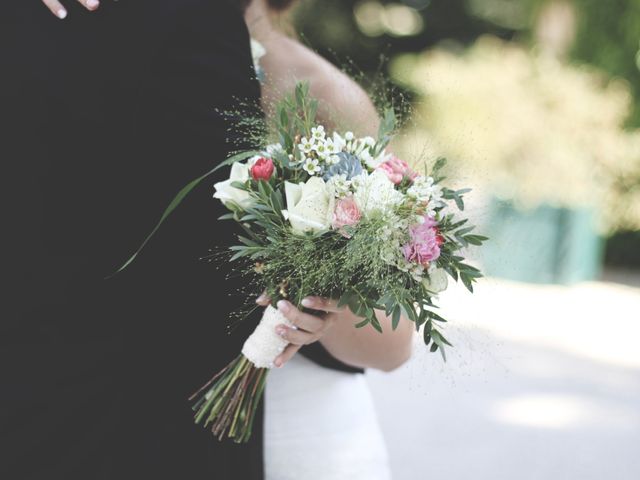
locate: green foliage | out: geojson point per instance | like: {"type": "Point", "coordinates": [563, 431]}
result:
{"type": "Point", "coordinates": [609, 37]}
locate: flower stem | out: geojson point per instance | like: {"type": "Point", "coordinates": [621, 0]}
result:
{"type": "Point", "coordinates": [231, 400]}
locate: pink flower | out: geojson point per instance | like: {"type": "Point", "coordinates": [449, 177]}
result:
{"type": "Point", "coordinates": [346, 214]}
{"type": "Point", "coordinates": [424, 246]}
{"type": "Point", "coordinates": [262, 169]}
{"type": "Point", "coordinates": [396, 170]}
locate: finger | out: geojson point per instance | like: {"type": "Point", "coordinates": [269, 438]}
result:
{"type": "Point", "coordinates": [263, 300]}
{"type": "Point", "coordinates": [56, 8]}
{"type": "Point", "coordinates": [90, 4]}
{"type": "Point", "coordinates": [304, 321]}
{"type": "Point", "coordinates": [322, 304]}
{"type": "Point", "coordinates": [286, 355]}
{"type": "Point", "coordinates": [296, 336]}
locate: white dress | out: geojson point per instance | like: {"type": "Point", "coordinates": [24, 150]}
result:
{"type": "Point", "coordinates": [320, 424]}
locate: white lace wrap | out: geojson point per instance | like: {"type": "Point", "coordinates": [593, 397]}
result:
{"type": "Point", "coordinates": [264, 344]}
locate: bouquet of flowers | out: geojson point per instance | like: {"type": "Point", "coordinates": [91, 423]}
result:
{"type": "Point", "coordinates": [336, 216]}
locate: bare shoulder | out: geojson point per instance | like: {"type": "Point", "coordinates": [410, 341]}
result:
{"type": "Point", "coordinates": [343, 101]}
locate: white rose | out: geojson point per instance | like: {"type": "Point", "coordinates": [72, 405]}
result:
{"type": "Point", "coordinates": [437, 281]}
{"type": "Point", "coordinates": [309, 205]}
{"type": "Point", "coordinates": [228, 194]}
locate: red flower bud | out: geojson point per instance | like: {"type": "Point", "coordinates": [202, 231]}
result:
{"type": "Point", "coordinates": [262, 169]}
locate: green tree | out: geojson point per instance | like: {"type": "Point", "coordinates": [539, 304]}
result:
{"type": "Point", "coordinates": [609, 37]}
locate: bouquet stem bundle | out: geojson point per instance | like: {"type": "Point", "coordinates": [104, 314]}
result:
{"type": "Point", "coordinates": [232, 399]}
{"type": "Point", "coordinates": [228, 402]}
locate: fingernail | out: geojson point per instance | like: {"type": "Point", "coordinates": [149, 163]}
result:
{"type": "Point", "coordinates": [280, 330]}
{"type": "Point", "coordinates": [62, 14]}
{"type": "Point", "coordinates": [307, 302]}
{"type": "Point", "coordinates": [278, 363]}
{"type": "Point", "coordinates": [261, 298]}
{"type": "Point", "coordinates": [283, 306]}
{"type": "Point", "coordinates": [92, 3]}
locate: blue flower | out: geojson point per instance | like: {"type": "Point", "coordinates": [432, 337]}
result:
{"type": "Point", "coordinates": [348, 165]}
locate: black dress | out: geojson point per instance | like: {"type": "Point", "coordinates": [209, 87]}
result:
{"type": "Point", "coordinates": [105, 116]}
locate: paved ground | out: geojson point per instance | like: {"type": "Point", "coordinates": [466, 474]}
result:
{"type": "Point", "coordinates": [544, 383]}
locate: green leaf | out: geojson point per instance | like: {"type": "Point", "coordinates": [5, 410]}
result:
{"type": "Point", "coordinates": [435, 316]}
{"type": "Point", "coordinates": [344, 299]}
{"type": "Point", "coordinates": [387, 124]}
{"type": "Point", "coordinates": [476, 239]}
{"type": "Point", "coordinates": [395, 319]}
{"type": "Point", "coordinates": [467, 282]}
{"type": "Point", "coordinates": [426, 335]}
{"type": "Point", "coordinates": [313, 110]}
{"type": "Point", "coordinates": [284, 118]}
{"type": "Point", "coordinates": [440, 163]}
{"type": "Point", "coordinates": [464, 231]}
{"type": "Point", "coordinates": [371, 317]}
{"type": "Point", "coordinates": [177, 200]}
{"type": "Point", "coordinates": [362, 323]}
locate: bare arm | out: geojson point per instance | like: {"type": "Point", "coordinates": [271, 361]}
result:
{"type": "Point", "coordinates": [367, 348]}
{"type": "Point", "coordinates": [344, 105]}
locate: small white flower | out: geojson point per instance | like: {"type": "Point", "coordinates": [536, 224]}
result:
{"type": "Point", "coordinates": [424, 190]}
{"type": "Point", "coordinates": [318, 133]}
{"type": "Point", "coordinates": [348, 136]}
{"type": "Point", "coordinates": [369, 141]}
{"type": "Point", "coordinates": [377, 194]}
{"type": "Point", "coordinates": [321, 149]}
{"type": "Point", "coordinates": [340, 185]}
{"type": "Point", "coordinates": [311, 166]}
{"type": "Point", "coordinates": [331, 146]}
{"type": "Point", "coordinates": [306, 145]}
{"type": "Point", "coordinates": [338, 142]}
{"type": "Point", "coordinates": [366, 157]}
{"type": "Point", "coordinates": [358, 181]}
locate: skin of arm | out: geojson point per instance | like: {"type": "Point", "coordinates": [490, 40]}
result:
{"type": "Point", "coordinates": [342, 103]}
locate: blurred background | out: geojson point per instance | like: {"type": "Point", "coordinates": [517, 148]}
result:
{"type": "Point", "coordinates": [536, 103]}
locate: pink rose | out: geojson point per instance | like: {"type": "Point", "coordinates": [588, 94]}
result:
{"type": "Point", "coordinates": [262, 169]}
{"type": "Point", "coordinates": [425, 241]}
{"type": "Point", "coordinates": [396, 170]}
{"type": "Point", "coordinates": [346, 214]}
